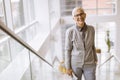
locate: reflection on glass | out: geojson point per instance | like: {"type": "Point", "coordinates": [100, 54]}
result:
{"type": "Point", "coordinates": [4, 56]}
{"type": "Point", "coordinates": [17, 13]}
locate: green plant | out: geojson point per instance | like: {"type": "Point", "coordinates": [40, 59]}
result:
{"type": "Point", "coordinates": [107, 40]}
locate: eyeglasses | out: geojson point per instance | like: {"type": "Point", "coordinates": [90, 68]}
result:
{"type": "Point", "coordinates": [79, 14]}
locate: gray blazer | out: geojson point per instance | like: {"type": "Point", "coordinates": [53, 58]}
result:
{"type": "Point", "coordinates": [75, 52]}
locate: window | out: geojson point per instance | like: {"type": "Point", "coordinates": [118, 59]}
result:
{"type": "Point", "coordinates": [30, 10]}
{"type": "Point", "coordinates": [2, 18]}
{"type": "Point", "coordinates": [17, 13]}
{"type": "Point", "coordinates": [102, 30]}
{"type": "Point", "coordinates": [54, 11]}
{"type": "Point", "coordinates": [22, 12]}
{"type": "Point", "coordinates": [2, 11]}
{"type": "Point", "coordinates": [15, 47]}
{"type": "Point", "coordinates": [92, 7]}
{"type": "Point", "coordinates": [68, 5]}
{"type": "Point", "coordinates": [106, 7]}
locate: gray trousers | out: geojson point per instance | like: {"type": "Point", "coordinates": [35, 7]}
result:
{"type": "Point", "coordinates": [89, 72]}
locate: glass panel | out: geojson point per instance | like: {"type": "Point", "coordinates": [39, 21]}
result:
{"type": "Point", "coordinates": [54, 12]}
{"type": "Point", "coordinates": [40, 68]}
{"type": "Point", "coordinates": [27, 74]}
{"type": "Point", "coordinates": [2, 34]}
{"type": "Point", "coordinates": [55, 55]}
{"type": "Point", "coordinates": [91, 12]}
{"type": "Point", "coordinates": [66, 13]}
{"type": "Point", "coordinates": [68, 5]}
{"type": "Point", "coordinates": [36, 67]}
{"type": "Point", "coordinates": [2, 11]}
{"type": "Point", "coordinates": [106, 6]}
{"type": "Point", "coordinates": [89, 4]}
{"type": "Point", "coordinates": [15, 48]}
{"type": "Point", "coordinates": [17, 13]}
{"type": "Point", "coordinates": [30, 10]}
{"type": "Point", "coordinates": [37, 28]}
{"type": "Point", "coordinates": [2, 18]}
{"type": "Point", "coordinates": [31, 33]}
{"type": "Point", "coordinates": [97, 7]}
{"type": "Point", "coordinates": [18, 67]}
{"type": "Point", "coordinates": [110, 70]}
{"type": "Point", "coordinates": [22, 35]}
{"type": "Point", "coordinates": [105, 11]}
{"type": "Point", "coordinates": [4, 55]}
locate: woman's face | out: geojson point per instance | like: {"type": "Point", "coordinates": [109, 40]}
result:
{"type": "Point", "coordinates": [79, 17]}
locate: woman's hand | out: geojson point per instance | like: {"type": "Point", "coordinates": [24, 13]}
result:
{"type": "Point", "coordinates": [69, 72]}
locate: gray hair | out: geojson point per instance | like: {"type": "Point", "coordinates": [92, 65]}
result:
{"type": "Point", "coordinates": [77, 8]}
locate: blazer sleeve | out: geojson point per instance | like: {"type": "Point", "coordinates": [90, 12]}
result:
{"type": "Point", "coordinates": [68, 49]}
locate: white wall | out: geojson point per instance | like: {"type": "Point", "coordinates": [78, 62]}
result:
{"type": "Point", "coordinates": [117, 44]}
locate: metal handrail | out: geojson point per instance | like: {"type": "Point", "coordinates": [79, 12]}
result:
{"type": "Point", "coordinates": [23, 28]}
{"type": "Point", "coordinates": [112, 56]}
{"type": "Point", "coordinates": [19, 40]}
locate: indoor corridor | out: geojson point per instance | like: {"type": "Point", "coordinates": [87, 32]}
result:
{"type": "Point", "coordinates": [107, 67]}
{"type": "Point", "coordinates": [32, 37]}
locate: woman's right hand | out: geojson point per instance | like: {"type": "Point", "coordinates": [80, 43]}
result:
{"type": "Point", "coordinates": [69, 72]}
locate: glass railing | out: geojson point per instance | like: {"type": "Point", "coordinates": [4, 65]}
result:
{"type": "Point", "coordinates": [19, 61]}
{"type": "Point", "coordinates": [18, 39]}
{"type": "Point", "coordinates": [108, 68]}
